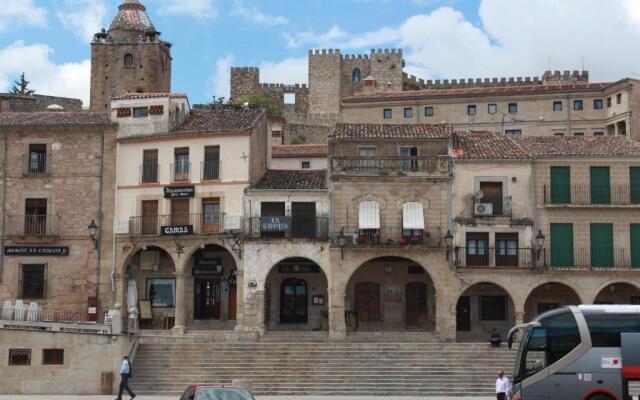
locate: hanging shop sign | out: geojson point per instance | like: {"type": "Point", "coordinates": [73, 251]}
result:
{"type": "Point", "coordinates": [179, 192]}
{"type": "Point", "coordinates": [35, 251]}
{"type": "Point", "coordinates": [275, 224]}
{"type": "Point", "coordinates": [298, 268]}
{"type": "Point", "coordinates": [170, 230]}
{"type": "Point", "coordinates": [207, 266]}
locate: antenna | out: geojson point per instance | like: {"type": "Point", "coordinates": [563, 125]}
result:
{"type": "Point", "coordinates": [582, 62]}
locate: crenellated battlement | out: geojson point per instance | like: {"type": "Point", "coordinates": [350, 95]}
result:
{"type": "Point", "coordinates": [336, 52]}
{"type": "Point", "coordinates": [324, 52]}
{"type": "Point", "coordinates": [284, 86]}
{"type": "Point", "coordinates": [565, 76]}
{"type": "Point", "coordinates": [245, 69]}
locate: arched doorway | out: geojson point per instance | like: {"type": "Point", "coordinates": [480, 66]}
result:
{"type": "Point", "coordinates": [618, 293]}
{"type": "Point", "coordinates": [211, 288]}
{"type": "Point", "coordinates": [390, 294]}
{"type": "Point", "coordinates": [296, 296]}
{"type": "Point", "coordinates": [152, 269]}
{"type": "Point", "coordinates": [547, 297]}
{"type": "Point", "coordinates": [480, 309]}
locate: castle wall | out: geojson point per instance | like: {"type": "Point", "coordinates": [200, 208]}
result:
{"type": "Point", "coordinates": [324, 81]}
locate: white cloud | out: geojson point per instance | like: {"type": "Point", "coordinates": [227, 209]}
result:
{"type": "Point", "coordinates": [46, 77]}
{"type": "Point", "coordinates": [254, 14]}
{"type": "Point", "coordinates": [83, 17]}
{"type": "Point", "coordinates": [335, 37]}
{"type": "Point", "coordinates": [16, 12]}
{"type": "Point", "coordinates": [201, 9]}
{"type": "Point", "coordinates": [289, 71]}
{"type": "Point", "coordinates": [219, 82]}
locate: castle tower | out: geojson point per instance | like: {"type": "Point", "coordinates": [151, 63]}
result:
{"type": "Point", "coordinates": [129, 57]}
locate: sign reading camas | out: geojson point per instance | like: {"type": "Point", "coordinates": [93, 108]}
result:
{"type": "Point", "coordinates": [169, 230]}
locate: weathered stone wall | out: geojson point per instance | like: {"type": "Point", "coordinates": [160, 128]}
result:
{"type": "Point", "coordinates": [245, 81]}
{"type": "Point", "coordinates": [325, 78]}
{"type": "Point", "coordinates": [386, 68]}
{"type": "Point", "coordinates": [36, 102]}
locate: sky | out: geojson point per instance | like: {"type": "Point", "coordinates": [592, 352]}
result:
{"type": "Point", "coordinates": [49, 40]}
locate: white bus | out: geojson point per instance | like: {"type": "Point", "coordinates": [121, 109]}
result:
{"type": "Point", "coordinates": [587, 352]}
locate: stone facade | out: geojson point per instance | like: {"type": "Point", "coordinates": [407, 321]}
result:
{"type": "Point", "coordinates": [10, 102]}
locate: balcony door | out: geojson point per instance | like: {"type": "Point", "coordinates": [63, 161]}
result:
{"type": "Point", "coordinates": [149, 217]}
{"type": "Point", "coordinates": [35, 217]}
{"type": "Point", "coordinates": [150, 166]}
{"type": "Point", "coordinates": [37, 159]}
{"type": "Point", "coordinates": [477, 249]}
{"type": "Point", "coordinates": [303, 219]}
{"type": "Point", "coordinates": [180, 212]}
{"type": "Point", "coordinates": [182, 164]}
{"type": "Point", "coordinates": [506, 249]}
{"type": "Point", "coordinates": [492, 193]}
{"type": "Point", "coordinates": [211, 221]}
{"type": "Point", "coordinates": [211, 169]}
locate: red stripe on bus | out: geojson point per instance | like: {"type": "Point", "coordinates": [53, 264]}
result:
{"type": "Point", "coordinates": [602, 391]}
{"type": "Point", "coordinates": [631, 372]}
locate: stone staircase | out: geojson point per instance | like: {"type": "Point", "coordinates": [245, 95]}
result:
{"type": "Point", "coordinates": [311, 365]}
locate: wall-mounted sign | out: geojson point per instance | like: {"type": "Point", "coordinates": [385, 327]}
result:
{"type": "Point", "coordinates": [275, 224]}
{"type": "Point", "coordinates": [298, 268]}
{"type": "Point", "coordinates": [35, 251]}
{"type": "Point", "coordinates": [318, 300]}
{"type": "Point", "coordinates": [207, 266]}
{"type": "Point", "coordinates": [179, 192]}
{"type": "Point", "coordinates": [168, 230]}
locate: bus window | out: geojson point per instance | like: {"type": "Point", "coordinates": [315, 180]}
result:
{"type": "Point", "coordinates": [605, 328]}
{"type": "Point", "coordinates": [534, 357]}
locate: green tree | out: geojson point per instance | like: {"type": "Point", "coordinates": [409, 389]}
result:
{"type": "Point", "coordinates": [22, 87]}
{"type": "Point", "coordinates": [257, 100]}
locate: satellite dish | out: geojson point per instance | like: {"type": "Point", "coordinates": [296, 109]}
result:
{"type": "Point", "coordinates": [508, 203]}
{"type": "Point", "coordinates": [479, 195]}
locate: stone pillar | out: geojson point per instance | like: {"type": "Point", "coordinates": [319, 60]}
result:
{"type": "Point", "coordinates": [445, 317]}
{"type": "Point", "coordinates": [180, 326]}
{"type": "Point", "coordinates": [120, 296]}
{"type": "Point", "coordinates": [240, 299]}
{"type": "Point", "coordinates": [337, 323]}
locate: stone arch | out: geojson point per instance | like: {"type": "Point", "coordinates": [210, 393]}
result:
{"type": "Point", "coordinates": [190, 251]}
{"type": "Point", "coordinates": [481, 307]}
{"type": "Point", "coordinates": [617, 293]}
{"type": "Point", "coordinates": [132, 251]}
{"type": "Point", "coordinates": [547, 296]}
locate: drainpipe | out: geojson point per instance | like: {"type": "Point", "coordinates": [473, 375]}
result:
{"type": "Point", "coordinates": [4, 199]}
{"type": "Point", "coordinates": [99, 218]}
{"type": "Point", "coordinates": [569, 114]}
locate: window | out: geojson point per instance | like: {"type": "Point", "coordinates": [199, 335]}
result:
{"type": "Point", "coordinates": [149, 220]}
{"type": "Point", "coordinates": [608, 102]}
{"type": "Point", "coordinates": [557, 106]}
{"type": "Point", "coordinates": [506, 249]}
{"type": "Point", "coordinates": [211, 168]}
{"type": "Point", "coordinates": [180, 212]}
{"type": "Point", "coordinates": [428, 111]}
{"type": "Point", "coordinates": [492, 194]}
{"type": "Point", "coordinates": [387, 113]}
{"type": "Point", "coordinates": [161, 292]}
{"type": "Point", "coordinates": [577, 105]}
{"type": "Point", "coordinates": [598, 133]}
{"type": "Point", "coordinates": [477, 249]}
{"type": "Point", "coordinates": [605, 328]}
{"type": "Point", "coordinates": [578, 134]}
{"type": "Point", "coordinates": [634, 185]}
{"type": "Point", "coordinates": [492, 108]}
{"type": "Point", "coordinates": [303, 219]}
{"type": "Point", "coordinates": [37, 162]}
{"type": "Point", "coordinates": [53, 356]}
{"type": "Point", "coordinates": [150, 166]}
{"type": "Point", "coordinates": [289, 98]}
{"type": "Point", "coordinates": [514, 132]}
{"type": "Point", "coordinates": [408, 112]}
{"type": "Point", "coordinates": [471, 109]}
{"type": "Point", "coordinates": [140, 112]}
{"type": "Point", "coordinates": [619, 98]}
{"type": "Point", "coordinates": [562, 245]}
{"type": "Point", "coordinates": [367, 151]}
{"type": "Point", "coordinates": [493, 308]}
{"type": "Point", "coordinates": [597, 104]}
{"type": "Point", "coordinates": [356, 75]}
{"type": "Point", "coordinates": [600, 185]}
{"type": "Point", "coordinates": [634, 239]}
{"type": "Point", "coordinates": [410, 160]}
{"type": "Point", "coordinates": [601, 245]}
{"type": "Point", "coordinates": [182, 164]}
{"type": "Point", "coordinates": [19, 356]}
{"type": "Point", "coordinates": [128, 60]}
{"type": "Point", "coordinates": [35, 217]}
{"type": "Point", "coordinates": [513, 108]}
{"type": "Point", "coordinates": [32, 281]}
{"type": "Point", "coordinates": [211, 217]}
{"type": "Point", "coordinates": [558, 134]}
{"type": "Point", "coordinates": [306, 164]}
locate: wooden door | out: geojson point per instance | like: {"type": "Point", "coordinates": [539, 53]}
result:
{"type": "Point", "coordinates": [180, 212]}
{"type": "Point", "coordinates": [416, 306]}
{"type": "Point", "coordinates": [506, 250]}
{"type": "Point", "coordinates": [206, 298]}
{"type": "Point", "coordinates": [600, 185]}
{"type": "Point", "coordinates": [367, 301]}
{"type": "Point", "coordinates": [150, 166]}
{"type": "Point", "coordinates": [463, 314]}
{"type": "Point", "coordinates": [211, 221]}
{"type": "Point", "coordinates": [233, 302]}
{"type": "Point", "coordinates": [477, 253]}
{"type": "Point", "coordinates": [293, 301]}
{"type": "Point", "coordinates": [634, 182]}
{"type": "Point", "coordinates": [149, 217]}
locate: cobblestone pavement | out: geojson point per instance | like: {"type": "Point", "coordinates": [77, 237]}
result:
{"type": "Point", "coordinates": [12, 397]}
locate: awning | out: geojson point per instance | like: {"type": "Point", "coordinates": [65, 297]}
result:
{"type": "Point", "coordinates": [369, 215]}
{"type": "Point", "coordinates": [412, 216]}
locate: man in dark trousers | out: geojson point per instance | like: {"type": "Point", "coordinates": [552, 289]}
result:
{"type": "Point", "coordinates": [125, 374]}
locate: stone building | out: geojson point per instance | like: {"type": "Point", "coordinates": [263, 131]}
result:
{"type": "Point", "coordinates": [58, 178]}
{"type": "Point", "coordinates": [10, 102]}
{"type": "Point", "coordinates": [299, 156]}
{"type": "Point", "coordinates": [129, 57]}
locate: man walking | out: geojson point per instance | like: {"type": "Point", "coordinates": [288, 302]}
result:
{"type": "Point", "coordinates": [125, 374]}
{"type": "Point", "coordinates": [502, 386]}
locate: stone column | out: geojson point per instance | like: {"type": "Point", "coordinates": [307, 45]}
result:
{"type": "Point", "coordinates": [445, 317]}
{"type": "Point", "coordinates": [337, 323]}
{"type": "Point", "coordinates": [240, 323]}
{"type": "Point", "coordinates": [180, 326]}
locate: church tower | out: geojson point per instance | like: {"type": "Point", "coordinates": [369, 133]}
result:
{"type": "Point", "coordinates": [128, 58]}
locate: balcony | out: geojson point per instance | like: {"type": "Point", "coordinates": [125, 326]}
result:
{"type": "Point", "coordinates": [520, 258]}
{"type": "Point", "coordinates": [285, 227]}
{"type": "Point", "coordinates": [149, 173]}
{"type": "Point", "coordinates": [33, 225]}
{"type": "Point", "coordinates": [581, 259]}
{"type": "Point", "coordinates": [180, 173]}
{"type": "Point", "coordinates": [390, 237]}
{"type": "Point", "coordinates": [492, 207]}
{"type": "Point", "coordinates": [199, 224]}
{"type": "Point", "coordinates": [210, 171]}
{"type": "Point", "coordinates": [36, 164]}
{"type": "Point", "coordinates": [391, 166]}
{"type": "Point", "coordinates": [592, 196]}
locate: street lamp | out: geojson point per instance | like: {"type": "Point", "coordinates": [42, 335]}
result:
{"type": "Point", "coordinates": [93, 230]}
{"type": "Point", "coordinates": [539, 244]}
{"type": "Point", "coordinates": [448, 241]}
{"type": "Point", "coordinates": [342, 240]}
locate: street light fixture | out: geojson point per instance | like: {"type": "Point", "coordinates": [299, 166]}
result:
{"type": "Point", "coordinates": [342, 240]}
{"type": "Point", "coordinates": [93, 230]}
{"type": "Point", "coordinates": [539, 244]}
{"type": "Point", "coordinates": [448, 241]}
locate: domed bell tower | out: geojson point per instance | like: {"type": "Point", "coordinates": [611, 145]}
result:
{"type": "Point", "coordinates": [128, 58]}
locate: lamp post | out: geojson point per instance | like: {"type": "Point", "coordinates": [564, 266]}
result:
{"type": "Point", "coordinates": [342, 240]}
{"type": "Point", "coordinates": [93, 230]}
{"type": "Point", "coordinates": [539, 244]}
{"type": "Point", "coordinates": [448, 241]}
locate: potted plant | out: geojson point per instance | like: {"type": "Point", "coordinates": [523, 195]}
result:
{"type": "Point", "coordinates": [362, 239]}
{"type": "Point", "coordinates": [413, 240]}
{"type": "Point", "coordinates": [403, 241]}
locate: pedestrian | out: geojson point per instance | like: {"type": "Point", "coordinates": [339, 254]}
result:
{"type": "Point", "coordinates": [494, 338]}
{"type": "Point", "coordinates": [125, 374]}
{"type": "Point", "coordinates": [503, 386]}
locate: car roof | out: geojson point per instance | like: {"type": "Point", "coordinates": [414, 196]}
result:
{"type": "Point", "coordinates": [218, 385]}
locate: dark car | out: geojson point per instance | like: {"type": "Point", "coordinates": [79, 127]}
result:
{"type": "Point", "coordinates": [216, 392]}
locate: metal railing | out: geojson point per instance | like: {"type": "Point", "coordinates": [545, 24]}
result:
{"type": "Point", "coordinates": [490, 257]}
{"type": "Point", "coordinates": [36, 164]}
{"type": "Point", "coordinates": [497, 208]}
{"type": "Point", "coordinates": [210, 171]}
{"type": "Point", "coordinates": [33, 225]}
{"type": "Point", "coordinates": [390, 236]}
{"type": "Point", "coordinates": [587, 194]}
{"type": "Point", "coordinates": [289, 227]}
{"type": "Point", "coordinates": [200, 223]}
{"type": "Point", "coordinates": [149, 173]}
{"type": "Point", "coordinates": [182, 175]}
{"type": "Point", "coordinates": [583, 259]}
{"type": "Point", "coordinates": [391, 166]}
{"type": "Point", "coordinates": [39, 315]}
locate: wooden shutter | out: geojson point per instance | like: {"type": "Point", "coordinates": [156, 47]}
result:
{"type": "Point", "coordinates": [561, 245]}
{"type": "Point", "coordinates": [635, 245]}
{"type": "Point", "coordinates": [601, 245]}
{"type": "Point", "coordinates": [149, 223]}
{"type": "Point", "coordinates": [634, 183]}
{"type": "Point", "coordinates": [303, 219]}
{"type": "Point", "coordinates": [180, 212]}
{"type": "Point", "coordinates": [492, 193]}
{"type": "Point", "coordinates": [560, 185]}
{"type": "Point", "coordinates": [600, 185]}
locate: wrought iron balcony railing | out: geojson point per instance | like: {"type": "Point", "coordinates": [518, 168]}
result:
{"type": "Point", "coordinates": [33, 225]}
{"type": "Point", "coordinates": [389, 237]}
{"type": "Point", "coordinates": [391, 166]}
{"type": "Point", "coordinates": [179, 224]}
{"type": "Point", "coordinates": [35, 164]}
{"type": "Point", "coordinates": [489, 257]}
{"type": "Point", "coordinates": [592, 195]}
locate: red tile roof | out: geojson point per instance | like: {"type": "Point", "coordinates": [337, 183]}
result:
{"type": "Point", "coordinates": [392, 131]}
{"type": "Point", "coordinates": [458, 92]}
{"type": "Point", "coordinates": [299, 150]}
{"type": "Point", "coordinates": [130, 96]}
{"type": "Point", "coordinates": [54, 118]}
{"type": "Point", "coordinates": [221, 120]}
{"type": "Point", "coordinates": [277, 179]}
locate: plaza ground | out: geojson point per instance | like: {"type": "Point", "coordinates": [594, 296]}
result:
{"type": "Point", "coordinates": [27, 397]}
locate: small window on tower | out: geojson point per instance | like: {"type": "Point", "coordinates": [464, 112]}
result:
{"type": "Point", "coordinates": [128, 60]}
{"type": "Point", "coordinates": [356, 75]}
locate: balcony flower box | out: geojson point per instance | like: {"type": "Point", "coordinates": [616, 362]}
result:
{"type": "Point", "coordinates": [403, 241]}
{"type": "Point", "coordinates": [363, 239]}
{"type": "Point", "coordinates": [414, 240]}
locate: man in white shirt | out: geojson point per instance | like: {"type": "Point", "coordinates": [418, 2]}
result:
{"type": "Point", "coordinates": [502, 386]}
{"type": "Point", "coordinates": [125, 374]}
